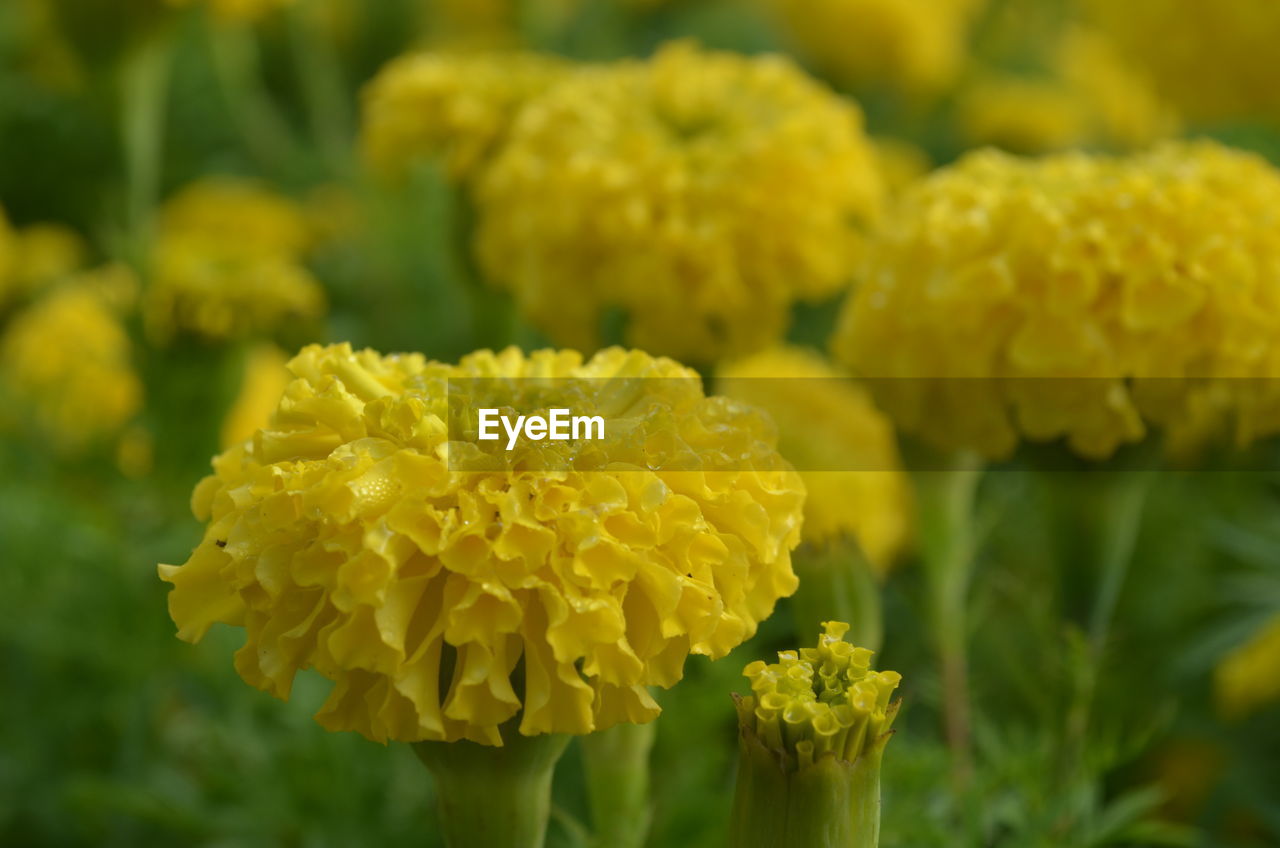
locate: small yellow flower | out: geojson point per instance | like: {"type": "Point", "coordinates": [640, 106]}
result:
{"type": "Point", "coordinates": [228, 262]}
{"type": "Point", "coordinates": [829, 428]}
{"type": "Point", "coordinates": [1214, 61]}
{"type": "Point", "coordinates": [819, 702]}
{"type": "Point", "coordinates": [266, 376]}
{"type": "Point", "coordinates": [1249, 676]}
{"type": "Point", "coordinates": [1077, 297]}
{"type": "Point", "coordinates": [918, 46]}
{"type": "Point", "coordinates": [341, 540]}
{"type": "Point", "coordinates": [67, 358]}
{"type": "Point", "coordinates": [45, 253]}
{"type": "Point", "coordinates": [700, 193]}
{"type": "Point", "coordinates": [455, 107]}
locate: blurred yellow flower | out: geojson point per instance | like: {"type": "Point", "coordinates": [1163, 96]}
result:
{"type": "Point", "coordinates": [899, 162]}
{"type": "Point", "coordinates": [45, 253]}
{"type": "Point", "coordinates": [917, 46]}
{"type": "Point", "coordinates": [266, 376]}
{"type": "Point", "coordinates": [699, 192]}
{"type": "Point", "coordinates": [1090, 95]}
{"type": "Point", "coordinates": [827, 421]}
{"type": "Point", "coordinates": [1249, 676]}
{"type": "Point", "coordinates": [1152, 280]}
{"type": "Point", "coordinates": [818, 702]}
{"type": "Point", "coordinates": [228, 262]}
{"type": "Point", "coordinates": [341, 539]}
{"type": "Point", "coordinates": [1214, 61]}
{"type": "Point", "coordinates": [68, 358]}
{"type": "Point", "coordinates": [453, 106]}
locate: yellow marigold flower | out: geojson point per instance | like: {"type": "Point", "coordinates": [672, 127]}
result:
{"type": "Point", "coordinates": [67, 357]}
{"type": "Point", "coordinates": [266, 375]}
{"type": "Point", "coordinates": [341, 539]}
{"type": "Point", "coordinates": [1214, 61]}
{"type": "Point", "coordinates": [1021, 114]}
{"type": "Point", "coordinates": [1249, 676]}
{"type": "Point", "coordinates": [827, 421]}
{"type": "Point", "coordinates": [237, 214]}
{"type": "Point", "coordinates": [700, 192]}
{"type": "Point", "coordinates": [819, 702]}
{"type": "Point", "coordinates": [228, 262]}
{"type": "Point", "coordinates": [918, 46]}
{"type": "Point", "coordinates": [455, 107]}
{"type": "Point", "coordinates": [1152, 280]}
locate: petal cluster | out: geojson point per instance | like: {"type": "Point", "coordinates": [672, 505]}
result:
{"type": "Point", "coordinates": [819, 701]}
{"type": "Point", "coordinates": [444, 603]}
{"type": "Point", "coordinates": [228, 262]}
{"type": "Point", "coordinates": [830, 429]}
{"type": "Point", "coordinates": [456, 107]}
{"type": "Point", "coordinates": [68, 359]}
{"type": "Point", "coordinates": [1075, 297]}
{"type": "Point", "coordinates": [698, 194]}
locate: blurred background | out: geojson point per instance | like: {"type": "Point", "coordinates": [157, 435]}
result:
{"type": "Point", "coordinates": [187, 200]}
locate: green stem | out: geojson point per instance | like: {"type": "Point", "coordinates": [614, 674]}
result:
{"type": "Point", "coordinates": [837, 583]}
{"type": "Point", "coordinates": [945, 502]}
{"type": "Point", "coordinates": [323, 88]}
{"type": "Point", "coordinates": [830, 803]}
{"type": "Point", "coordinates": [493, 797]}
{"type": "Point", "coordinates": [236, 64]}
{"type": "Point", "coordinates": [145, 85]}
{"type": "Point", "coordinates": [616, 762]}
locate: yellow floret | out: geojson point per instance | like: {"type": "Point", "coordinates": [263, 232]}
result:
{"type": "Point", "coordinates": [818, 702]}
{"type": "Point", "coordinates": [342, 540]}
{"type": "Point", "coordinates": [454, 107]}
{"type": "Point", "coordinates": [1076, 297]}
{"type": "Point", "coordinates": [829, 428]}
{"type": "Point", "coordinates": [67, 358]}
{"type": "Point", "coordinates": [701, 193]}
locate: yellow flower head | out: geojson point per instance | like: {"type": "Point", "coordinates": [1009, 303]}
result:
{"type": "Point", "coordinates": [829, 428]}
{"type": "Point", "coordinates": [45, 253]}
{"type": "Point", "coordinates": [67, 358]}
{"type": "Point", "coordinates": [1089, 297]}
{"type": "Point", "coordinates": [699, 192]}
{"type": "Point", "coordinates": [1214, 61]}
{"type": "Point", "coordinates": [819, 702]}
{"type": "Point", "coordinates": [229, 262]}
{"type": "Point", "coordinates": [456, 107]}
{"type": "Point", "coordinates": [1249, 676]}
{"type": "Point", "coordinates": [444, 603]}
{"type": "Point", "coordinates": [918, 46]}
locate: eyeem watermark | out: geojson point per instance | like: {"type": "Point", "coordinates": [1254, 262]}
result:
{"type": "Point", "coordinates": [559, 425]}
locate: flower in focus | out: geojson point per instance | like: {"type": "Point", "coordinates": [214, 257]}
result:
{"type": "Point", "coordinates": [1075, 296]}
{"type": "Point", "coordinates": [266, 376]}
{"type": "Point", "coordinates": [341, 540]}
{"type": "Point", "coordinates": [829, 428]}
{"type": "Point", "coordinates": [1214, 61]}
{"type": "Point", "coordinates": [1249, 676]}
{"type": "Point", "coordinates": [455, 107]}
{"type": "Point", "coordinates": [228, 262]}
{"type": "Point", "coordinates": [918, 46]}
{"type": "Point", "coordinates": [700, 193]}
{"type": "Point", "coordinates": [819, 702]}
{"type": "Point", "coordinates": [67, 358]}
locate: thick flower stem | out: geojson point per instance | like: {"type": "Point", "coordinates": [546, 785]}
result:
{"type": "Point", "coordinates": [616, 762]}
{"type": "Point", "coordinates": [947, 538]}
{"type": "Point", "coordinates": [493, 797]}
{"type": "Point", "coordinates": [837, 583]}
{"type": "Point", "coordinates": [830, 803]}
